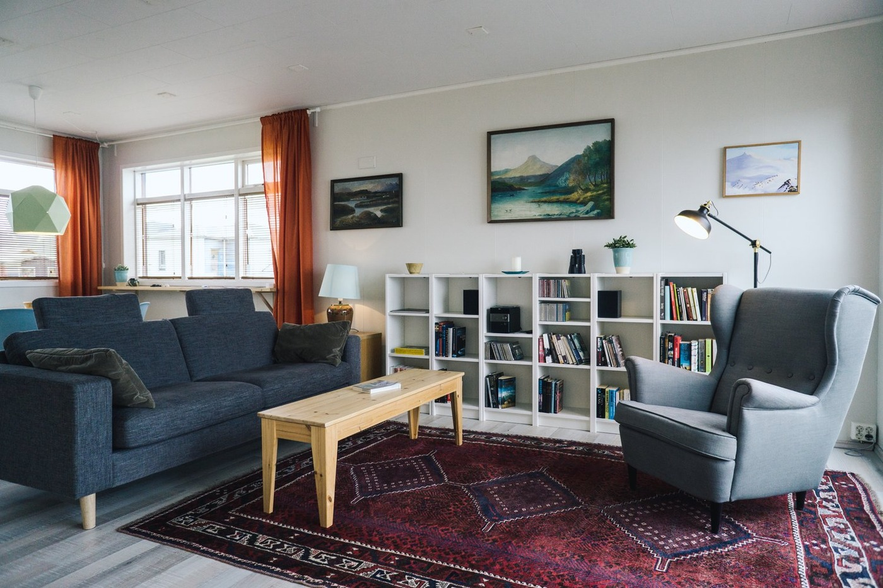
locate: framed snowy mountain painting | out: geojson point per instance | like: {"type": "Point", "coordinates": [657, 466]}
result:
{"type": "Point", "coordinates": [767, 169]}
{"type": "Point", "coordinates": [554, 172]}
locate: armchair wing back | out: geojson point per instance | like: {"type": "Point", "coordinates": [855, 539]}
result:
{"type": "Point", "coordinates": [764, 421]}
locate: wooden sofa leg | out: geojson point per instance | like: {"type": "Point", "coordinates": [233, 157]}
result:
{"type": "Point", "coordinates": [716, 510]}
{"type": "Point", "coordinates": [799, 500]}
{"type": "Point", "coordinates": [87, 507]}
{"type": "Point", "coordinates": [633, 478]}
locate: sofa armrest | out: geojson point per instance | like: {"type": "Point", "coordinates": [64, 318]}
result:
{"type": "Point", "coordinates": [352, 354]}
{"type": "Point", "coordinates": [652, 382]}
{"type": "Point", "coordinates": [55, 430]}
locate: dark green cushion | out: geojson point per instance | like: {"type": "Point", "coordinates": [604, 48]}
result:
{"type": "Point", "coordinates": [128, 389]}
{"type": "Point", "coordinates": [319, 343]}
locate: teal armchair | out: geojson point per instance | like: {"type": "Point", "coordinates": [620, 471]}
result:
{"type": "Point", "coordinates": [766, 418]}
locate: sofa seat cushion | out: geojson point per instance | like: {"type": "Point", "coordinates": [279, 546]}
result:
{"type": "Point", "coordinates": [150, 347]}
{"type": "Point", "coordinates": [286, 382]}
{"type": "Point", "coordinates": [218, 343]}
{"type": "Point", "coordinates": [183, 408]}
{"type": "Point", "coordinates": [704, 433]}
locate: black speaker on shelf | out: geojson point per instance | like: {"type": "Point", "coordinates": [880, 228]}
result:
{"type": "Point", "coordinates": [609, 303]}
{"type": "Point", "coordinates": [470, 302]}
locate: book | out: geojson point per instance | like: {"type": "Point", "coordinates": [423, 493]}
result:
{"type": "Point", "coordinates": [506, 391]}
{"type": "Point", "coordinates": [411, 350]}
{"type": "Point", "coordinates": [375, 386]}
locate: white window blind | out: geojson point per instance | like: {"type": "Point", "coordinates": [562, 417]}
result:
{"type": "Point", "coordinates": [25, 256]}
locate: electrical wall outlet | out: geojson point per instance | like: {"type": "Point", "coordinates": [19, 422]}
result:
{"type": "Point", "coordinates": [863, 432]}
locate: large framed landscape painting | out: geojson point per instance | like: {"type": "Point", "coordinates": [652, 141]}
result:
{"type": "Point", "coordinates": [370, 202]}
{"type": "Point", "coordinates": [766, 169]}
{"type": "Point", "coordinates": [554, 172]}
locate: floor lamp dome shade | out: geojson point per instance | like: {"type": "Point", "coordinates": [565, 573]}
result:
{"type": "Point", "coordinates": [340, 281]}
{"type": "Point", "coordinates": [695, 222]}
{"type": "Point", "coordinates": [37, 210]}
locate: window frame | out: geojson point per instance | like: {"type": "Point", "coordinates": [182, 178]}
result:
{"type": "Point", "coordinates": [5, 193]}
{"type": "Point", "coordinates": [138, 178]}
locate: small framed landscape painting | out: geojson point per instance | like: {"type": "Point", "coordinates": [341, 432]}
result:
{"type": "Point", "coordinates": [554, 172]}
{"type": "Point", "coordinates": [766, 169]}
{"type": "Point", "coordinates": [370, 202]}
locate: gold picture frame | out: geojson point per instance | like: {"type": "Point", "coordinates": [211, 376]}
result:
{"type": "Point", "coordinates": [762, 169]}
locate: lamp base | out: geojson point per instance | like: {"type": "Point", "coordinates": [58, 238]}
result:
{"type": "Point", "coordinates": [339, 312]}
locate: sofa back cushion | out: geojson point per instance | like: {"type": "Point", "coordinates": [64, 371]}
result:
{"type": "Point", "coordinates": [219, 301]}
{"type": "Point", "coordinates": [150, 347]}
{"type": "Point", "coordinates": [221, 343]}
{"type": "Point", "coordinates": [75, 311]}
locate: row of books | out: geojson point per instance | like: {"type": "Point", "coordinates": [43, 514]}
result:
{"type": "Point", "coordinates": [684, 304]}
{"type": "Point", "coordinates": [499, 390]}
{"type": "Point", "coordinates": [553, 288]}
{"type": "Point", "coordinates": [566, 348]}
{"type": "Point", "coordinates": [554, 311]}
{"type": "Point", "coordinates": [606, 399]}
{"type": "Point", "coordinates": [696, 355]}
{"type": "Point", "coordinates": [450, 340]}
{"type": "Point", "coordinates": [608, 352]}
{"type": "Point", "coordinates": [551, 392]}
{"type": "Point", "coordinates": [503, 350]}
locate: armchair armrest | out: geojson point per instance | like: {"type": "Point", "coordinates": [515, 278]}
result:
{"type": "Point", "coordinates": [652, 382]}
{"type": "Point", "coordinates": [55, 430]}
{"type": "Point", "coordinates": [754, 395]}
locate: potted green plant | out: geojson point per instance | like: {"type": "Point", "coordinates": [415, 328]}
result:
{"type": "Point", "coordinates": [622, 253]}
{"type": "Point", "coordinates": [120, 274]}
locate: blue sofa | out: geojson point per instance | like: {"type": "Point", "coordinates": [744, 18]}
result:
{"type": "Point", "coordinates": [209, 375]}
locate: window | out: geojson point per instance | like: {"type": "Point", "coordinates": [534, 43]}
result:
{"type": "Point", "coordinates": [25, 256]}
{"type": "Point", "coordinates": [203, 220]}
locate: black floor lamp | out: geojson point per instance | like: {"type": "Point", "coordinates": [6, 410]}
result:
{"type": "Point", "coordinates": [696, 224]}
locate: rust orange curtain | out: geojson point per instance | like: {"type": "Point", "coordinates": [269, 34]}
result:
{"type": "Point", "coordinates": [78, 181]}
{"type": "Point", "coordinates": [288, 179]}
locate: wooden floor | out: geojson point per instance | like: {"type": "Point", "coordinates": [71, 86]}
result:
{"type": "Point", "coordinates": [42, 544]}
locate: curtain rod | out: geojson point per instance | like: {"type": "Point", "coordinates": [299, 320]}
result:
{"type": "Point", "coordinates": [12, 127]}
{"type": "Point", "coordinates": [232, 123]}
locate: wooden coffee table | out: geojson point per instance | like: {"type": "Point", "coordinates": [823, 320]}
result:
{"type": "Point", "coordinates": [325, 419]}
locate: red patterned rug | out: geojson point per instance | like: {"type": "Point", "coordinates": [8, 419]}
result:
{"type": "Point", "coordinates": [504, 510]}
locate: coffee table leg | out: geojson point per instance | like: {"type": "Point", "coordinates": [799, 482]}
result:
{"type": "Point", "coordinates": [269, 448]}
{"type": "Point", "coordinates": [324, 444]}
{"type": "Point", "coordinates": [457, 411]}
{"type": "Point", "coordinates": [413, 421]}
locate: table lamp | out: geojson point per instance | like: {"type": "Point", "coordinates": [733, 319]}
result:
{"type": "Point", "coordinates": [696, 224]}
{"type": "Point", "coordinates": [340, 281]}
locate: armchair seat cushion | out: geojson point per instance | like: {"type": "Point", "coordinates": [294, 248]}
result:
{"type": "Point", "coordinates": [184, 408]}
{"type": "Point", "coordinates": [703, 433]}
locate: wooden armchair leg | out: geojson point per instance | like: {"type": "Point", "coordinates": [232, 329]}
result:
{"type": "Point", "coordinates": [87, 507]}
{"type": "Point", "coordinates": [716, 510]}
{"type": "Point", "coordinates": [799, 500]}
{"type": "Point", "coordinates": [633, 478]}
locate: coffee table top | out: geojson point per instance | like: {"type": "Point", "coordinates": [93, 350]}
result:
{"type": "Point", "coordinates": [345, 403]}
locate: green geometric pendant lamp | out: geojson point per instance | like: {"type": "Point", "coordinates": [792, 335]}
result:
{"type": "Point", "coordinates": [36, 210]}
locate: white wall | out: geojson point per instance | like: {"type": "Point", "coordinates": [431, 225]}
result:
{"type": "Point", "coordinates": [673, 116]}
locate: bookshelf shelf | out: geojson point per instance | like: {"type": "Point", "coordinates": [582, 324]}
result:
{"type": "Point", "coordinates": [417, 302]}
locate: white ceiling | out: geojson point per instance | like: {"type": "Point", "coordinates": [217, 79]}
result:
{"type": "Point", "coordinates": [117, 69]}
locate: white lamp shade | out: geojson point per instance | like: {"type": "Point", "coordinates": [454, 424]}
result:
{"type": "Point", "coordinates": [694, 223]}
{"type": "Point", "coordinates": [37, 210]}
{"type": "Point", "coordinates": [340, 281]}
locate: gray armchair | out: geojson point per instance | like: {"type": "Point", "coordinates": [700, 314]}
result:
{"type": "Point", "coordinates": [764, 421]}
